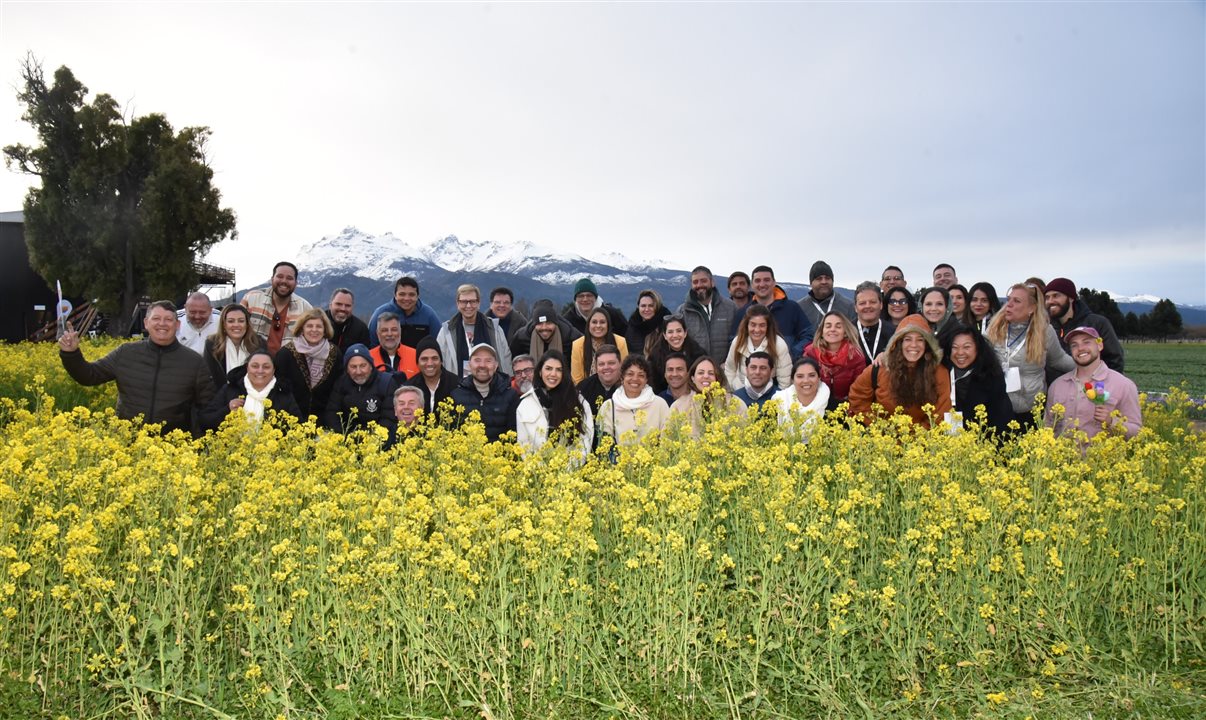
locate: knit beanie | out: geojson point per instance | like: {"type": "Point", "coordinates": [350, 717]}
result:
{"type": "Point", "coordinates": [585, 285]}
{"type": "Point", "coordinates": [819, 268]}
{"type": "Point", "coordinates": [427, 343]}
{"type": "Point", "coordinates": [357, 350]}
{"type": "Point", "coordinates": [1062, 285]}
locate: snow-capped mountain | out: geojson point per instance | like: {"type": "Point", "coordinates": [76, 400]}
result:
{"type": "Point", "coordinates": [369, 264]}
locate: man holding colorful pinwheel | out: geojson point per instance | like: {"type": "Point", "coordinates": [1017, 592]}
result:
{"type": "Point", "coordinates": [1092, 398]}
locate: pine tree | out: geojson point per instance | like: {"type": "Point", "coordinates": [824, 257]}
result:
{"type": "Point", "coordinates": [1165, 319]}
{"type": "Point", "coordinates": [125, 207]}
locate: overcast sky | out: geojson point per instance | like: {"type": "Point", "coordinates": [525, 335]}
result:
{"type": "Point", "coordinates": [1008, 139]}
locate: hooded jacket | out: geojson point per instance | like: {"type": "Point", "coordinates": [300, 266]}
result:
{"type": "Point", "coordinates": [710, 325]}
{"type": "Point", "coordinates": [874, 385]}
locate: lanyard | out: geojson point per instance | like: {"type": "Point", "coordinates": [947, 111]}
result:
{"type": "Point", "coordinates": [862, 336]}
{"type": "Point", "coordinates": [825, 310]}
{"type": "Point", "coordinates": [953, 381]}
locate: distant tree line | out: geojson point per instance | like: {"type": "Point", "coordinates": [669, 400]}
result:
{"type": "Point", "coordinates": [1164, 321]}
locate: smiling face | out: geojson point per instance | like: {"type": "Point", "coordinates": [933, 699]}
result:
{"type": "Point", "coordinates": [198, 310]}
{"type": "Point", "coordinates": [891, 278]}
{"type": "Point", "coordinates": [958, 301]}
{"type": "Point", "coordinates": [235, 325]}
{"type": "Point", "coordinates": [598, 325]}
{"type": "Point", "coordinates": [314, 331]}
{"type": "Point", "coordinates": [1058, 304]}
{"type": "Point", "coordinates": [260, 370]}
{"type": "Point", "coordinates": [704, 375]}
{"type": "Point", "coordinates": [933, 307]}
{"type": "Point", "coordinates": [500, 305]}
{"type": "Point", "coordinates": [676, 373]}
{"type": "Point", "coordinates": [758, 372]}
{"type": "Point", "coordinates": [764, 287]}
{"type": "Point", "coordinates": [756, 329]}
{"type": "Point", "coordinates": [963, 351]}
{"type": "Point", "coordinates": [912, 346]}
{"type": "Point", "coordinates": [284, 282]}
{"type": "Point", "coordinates": [483, 365]}
{"type": "Point", "coordinates": [406, 405]}
{"type": "Point", "coordinates": [701, 286]}
{"type": "Point", "coordinates": [806, 380]}
{"type": "Point", "coordinates": [739, 289]}
{"type": "Point", "coordinates": [832, 331]}
{"type": "Point", "coordinates": [868, 306]}
{"type": "Point", "coordinates": [1019, 306]}
{"type": "Point", "coordinates": [585, 302]}
{"type": "Point", "coordinates": [406, 297]}
{"type": "Point", "coordinates": [980, 306]}
{"type": "Point", "coordinates": [607, 366]}
{"type": "Point", "coordinates": [389, 334]}
{"type": "Point", "coordinates": [676, 334]}
{"type": "Point", "coordinates": [898, 304]}
{"type": "Point", "coordinates": [545, 330]}
{"type": "Point", "coordinates": [551, 373]}
{"type": "Point", "coordinates": [161, 326]}
{"type": "Point", "coordinates": [467, 303]}
{"type": "Point", "coordinates": [341, 306]}
{"type": "Point", "coordinates": [359, 370]}
{"type": "Point", "coordinates": [634, 380]}
{"type": "Point", "coordinates": [944, 277]}
{"type": "Point", "coordinates": [1085, 349]}
{"type": "Point", "coordinates": [431, 365]}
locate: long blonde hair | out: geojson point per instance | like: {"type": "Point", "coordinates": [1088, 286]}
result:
{"type": "Point", "coordinates": [848, 331]}
{"type": "Point", "coordinates": [1036, 334]}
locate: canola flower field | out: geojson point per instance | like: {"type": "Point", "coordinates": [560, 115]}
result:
{"type": "Point", "coordinates": [872, 572]}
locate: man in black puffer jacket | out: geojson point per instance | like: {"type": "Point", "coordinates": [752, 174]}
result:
{"type": "Point", "coordinates": [487, 391]}
{"type": "Point", "coordinates": [361, 395]}
{"type": "Point", "coordinates": [157, 378]}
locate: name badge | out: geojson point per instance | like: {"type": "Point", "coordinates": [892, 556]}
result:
{"type": "Point", "coordinates": [954, 418]}
{"type": "Point", "coordinates": [1013, 380]}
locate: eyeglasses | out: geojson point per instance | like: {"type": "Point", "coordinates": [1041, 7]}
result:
{"type": "Point", "coordinates": [898, 301]}
{"type": "Point", "coordinates": [467, 302]}
{"type": "Point", "coordinates": [526, 371]}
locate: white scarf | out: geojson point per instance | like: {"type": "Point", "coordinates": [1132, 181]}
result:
{"type": "Point", "coordinates": [621, 401]}
{"type": "Point", "coordinates": [253, 403]}
{"type": "Point", "coordinates": [236, 355]}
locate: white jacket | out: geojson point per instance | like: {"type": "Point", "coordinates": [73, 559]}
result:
{"type": "Point", "coordinates": [734, 368]}
{"type": "Point", "coordinates": [813, 412]}
{"type": "Point", "coordinates": [452, 363]}
{"type": "Point", "coordinates": [532, 425]}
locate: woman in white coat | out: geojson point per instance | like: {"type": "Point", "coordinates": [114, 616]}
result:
{"type": "Point", "coordinates": [807, 395]}
{"type": "Point", "coordinates": [756, 332]}
{"type": "Point", "coordinates": [554, 408]}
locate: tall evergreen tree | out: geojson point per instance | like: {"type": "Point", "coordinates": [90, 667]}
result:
{"type": "Point", "coordinates": [1165, 319]}
{"type": "Point", "coordinates": [125, 207]}
{"type": "Point", "coordinates": [1100, 302]}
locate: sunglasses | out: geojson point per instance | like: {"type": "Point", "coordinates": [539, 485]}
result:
{"type": "Point", "coordinates": [898, 301]}
{"type": "Point", "coordinates": [276, 321]}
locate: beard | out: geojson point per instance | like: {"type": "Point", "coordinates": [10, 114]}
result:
{"type": "Point", "coordinates": [702, 294]}
{"type": "Point", "coordinates": [1058, 311]}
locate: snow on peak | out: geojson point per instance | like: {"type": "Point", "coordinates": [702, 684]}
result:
{"type": "Point", "coordinates": [375, 256]}
{"type": "Point", "coordinates": [1119, 298]}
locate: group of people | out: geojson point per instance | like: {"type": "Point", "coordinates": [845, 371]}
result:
{"type": "Point", "coordinates": [942, 353]}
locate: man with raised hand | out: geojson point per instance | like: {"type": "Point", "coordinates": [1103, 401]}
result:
{"type": "Point", "coordinates": [1092, 392]}
{"type": "Point", "coordinates": [274, 311]}
{"type": "Point", "coordinates": [709, 317]}
{"type": "Point", "coordinates": [198, 320]}
{"type": "Point", "coordinates": [348, 328]}
{"type": "Point", "coordinates": [157, 377]}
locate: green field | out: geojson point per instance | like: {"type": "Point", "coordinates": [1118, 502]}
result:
{"type": "Point", "coordinates": [1157, 366]}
